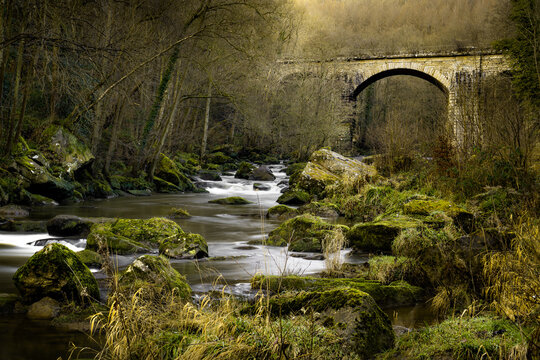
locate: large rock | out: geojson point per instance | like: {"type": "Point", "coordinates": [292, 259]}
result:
{"type": "Point", "coordinates": [68, 152]}
{"type": "Point", "coordinates": [262, 173]}
{"type": "Point", "coordinates": [459, 216]}
{"type": "Point", "coordinates": [168, 171]}
{"type": "Point", "coordinates": [44, 309]}
{"type": "Point", "coordinates": [244, 170]}
{"type": "Point", "coordinates": [154, 271]}
{"type": "Point", "coordinates": [294, 197]}
{"type": "Point", "coordinates": [57, 272]}
{"type": "Point", "coordinates": [128, 236]}
{"type": "Point", "coordinates": [71, 225]}
{"type": "Point", "coordinates": [282, 212]}
{"type": "Point", "coordinates": [41, 181]}
{"type": "Point", "coordinates": [185, 246]}
{"type": "Point", "coordinates": [363, 327]}
{"type": "Point", "coordinates": [326, 168]}
{"type": "Point", "coordinates": [232, 200]}
{"type": "Point", "coordinates": [304, 233]}
{"type": "Point", "coordinates": [378, 235]}
{"type": "Point", "coordinates": [397, 293]}
{"type": "Point", "coordinates": [322, 209]}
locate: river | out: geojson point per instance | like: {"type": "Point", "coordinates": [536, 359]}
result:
{"type": "Point", "coordinates": [227, 230]}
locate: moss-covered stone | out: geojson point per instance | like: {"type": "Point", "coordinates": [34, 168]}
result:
{"type": "Point", "coordinates": [352, 313]}
{"type": "Point", "coordinates": [211, 175]}
{"type": "Point", "coordinates": [154, 271]}
{"type": "Point", "coordinates": [322, 209]}
{"type": "Point", "coordinates": [67, 151]}
{"type": "Point", "coordinates": [127, 236]}
{"type": "Point", "coordinates": [378, 235]}
{"type": "Point", "coordinates": [262, 173]}
{"type": "Point", "coordinates": [90, 258]}
{"type": "Point", "coordinates": [304, 233]}
{"type": "Point", "coordinates": [129, 184]}
{"type": "Point", "coordinates": [326, 168]}
{"type": "Point", "coordinates": [233, 200]}
{"type": "Point", "coordinates": [57, 272]}
{"type": "Point", "coordinates": [460, 216]}
{"type": "Point", "coordinates": [185, 246]}
{"type": "Point", "coordinates": [168, 171]}
{"type": "Point", "coordinates": [163, 186]}
{"type": "Point", "coordinates": [397, 293]}
{"type": "Point", "coordinates": [101, 237]}
{"type": "Point", "coordinates": [294, 197]}
{"type": "Point", "coordinates": [218, 158]}
{"type": "Point", "coordinates": [179, 213]}
{"type": "Point", "coordinates": [71, 225]}
{"type": "Point", "coordinates": [244, 170]}
{"type": "Point", "coordinates": [282, 212]}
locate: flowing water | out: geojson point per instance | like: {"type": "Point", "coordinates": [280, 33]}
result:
{"type": "Point", "coordinates": [226, 228]}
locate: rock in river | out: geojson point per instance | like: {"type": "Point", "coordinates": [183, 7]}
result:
{"type": "Point", "coordinates": [57, 272]}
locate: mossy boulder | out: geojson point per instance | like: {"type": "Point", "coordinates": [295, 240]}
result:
{"type": "Point", "coordinates": [233, 200]}
{"type": "Point", "coordinates": [353, 314]}
{"type": "Point", "coordinates": [460, 216]}
{"type": "Point", "coordinates": [218, 158]}
{"type": "Point", "coordinates": [168, 171]}
{"type": "Point", "coordinates": [67, 151]}
{"type": "Point", "coordinates": [179, 213]}
{"type": "Point", "coordinates": [211, 175]}
{"type": "Point", "coordinates": [294, 197]}
{"type": "Point", "coordinates": [322, 209]}
{"type": "Point", "coordinates": [304, 233]}
{"type": "Point", "coordinates": [154, 271]}
{"type": "Point", "coordinates": [128, 184]}
{"type": "Point", "coordinates": [128, 236]}
{"type": "Point", "coordinates": [102, 237]}
{"type": "Point", "coordinates": [244, 170]}
{"type": "Point", "coordinates": [282, 212]}
{"type": "Point", "coordinates": [185, 246]}
{"type": "Point", "coordinates": [57, 272]}
{"type": "Point", "coordinates": [262, 173]}
{"type": "Point", "coordinates": [40, 181]}
{"type": "Point", "coordinates": [326, 168]}
{"type": "Point", "coordinates": [71, 225]}
{"type": "Point", "coordinates": [90, 258]}
{"type": "Point", "coordinates": [378, 235]}
{"type": "Point", "coordinates": [397, 293]}
{"type": "Point", "coordinates": [163, 186]}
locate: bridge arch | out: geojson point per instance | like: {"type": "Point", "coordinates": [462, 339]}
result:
{"type": "Point", "coordinates": [432, 76]}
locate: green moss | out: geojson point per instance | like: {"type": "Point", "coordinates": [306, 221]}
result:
{"type": "Point", "coordinates": [179, 213]}
{"type": "Point", "coordinates": [352, 313]}
{"type": "Point", "coordinates": [154, 271]}
{"type": "Point", "coordinates": [462, 338]}
{"type": "Point", "coordinates": [218, 158]}
{"type": "Point", "coordinates": [282, 212]}
{"type": "Point", "coordinates": [126, 183]}
{"type": "Point", "coordinates": [185, 246]}
{"type": "Point", "coordinates": [378, 235]}
{"type": "Point", "coordinates": [233, 200]}
{"type": "Point", "coordinates": [294, 197]}
{"type": "Point", "coordinates": [398, 293]}
{"type": "Point", "coordinates": [101, 236]}
{"type": "Point", "coordinates": [302, 233]}
{"type": "Point", "coordinates": [57, 272]}
{"type": "Point", "coordinates": [460, 216]}
{"type": "Point", "coordinates": [323, 209]}
{"type": "Point", "coordinates": [167, 171]}
{"type": "Point", "coordinates": [90, 258]}
{"type": "Point", "coordinates": [163, 186]}
{"type": "Point", "coordinates": [244, 170]}
{"type": "Point", "coordinates": [150, 231]}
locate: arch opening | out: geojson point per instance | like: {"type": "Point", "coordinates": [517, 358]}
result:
{"type": "Point", "coordinates": [401, 71]}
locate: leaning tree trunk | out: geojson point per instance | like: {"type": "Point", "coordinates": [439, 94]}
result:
{"type": "Point", "coordinates": [206, 119]}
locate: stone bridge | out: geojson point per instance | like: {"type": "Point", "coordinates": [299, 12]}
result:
{"type": "Point", "coordinates": [454, 73]}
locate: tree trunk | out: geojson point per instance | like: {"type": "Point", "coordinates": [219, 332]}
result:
{"type": "Point", "coordinates": [15, 98]}
{"type": "Point", "coordinates": [206, 119]}
{"type": "Point", "coordinates": [114, 136]}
